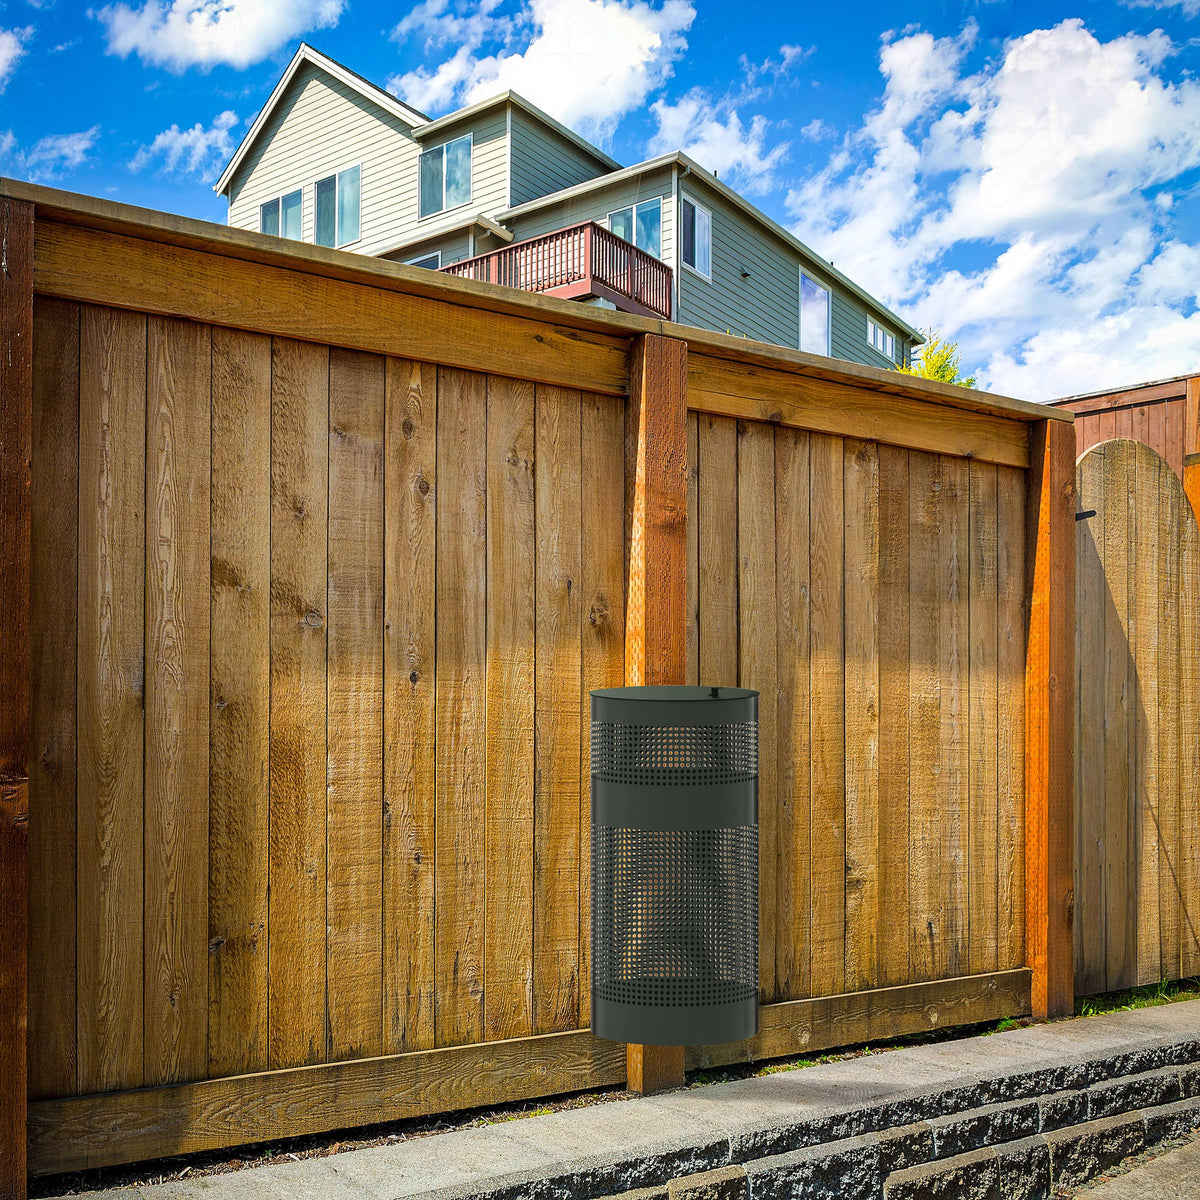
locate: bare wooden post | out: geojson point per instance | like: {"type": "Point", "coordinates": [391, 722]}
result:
{"type": "Point", "coordinates": [1050, 718]}
{"type": "Point", "coordinates": [1191, 443]}
{"type": "Point", "coordinates": [16, 441]}
{"type": "Point", "coordinates": [656, 617]}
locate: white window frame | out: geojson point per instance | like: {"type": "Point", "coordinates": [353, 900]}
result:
{"type": "Point", "coordinates": [686, 199]}
{"type": "Point", "coordinates": [633, 206]}
{"type": "Point", "coordinates": [470, 137]}
{"type": "Point", "coordinates": [888, 350]}
{"type": "Point", "coordinates": [423, 258]}
{"type": "Point", "coordinates": [336, 174]}
{"type": "Point", "coordinates": [279, 200]}
{"type": "Point", "coordinates": [801, 277]}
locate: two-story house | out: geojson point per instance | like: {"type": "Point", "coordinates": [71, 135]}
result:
{"type": "Point", "coordinates": [501, 191]}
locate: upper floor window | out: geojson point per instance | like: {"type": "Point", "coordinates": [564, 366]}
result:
{"type": "Point", "coordinates": [431, 262]}
{"type": "Point", "coordinates": [881, 339]}
{"type": "Point", "coordinates": [336, 216]}
{"type": "Point", "coordinates": [640, 224]}
{"type": "Point", "coordinates": [446, 176]}
{"type": "Point", "coordinates": [814, 316]}
{"type": "Point", "coordinates": [696, 237]}
{"type": "Point", "coordinates": [281, 217]}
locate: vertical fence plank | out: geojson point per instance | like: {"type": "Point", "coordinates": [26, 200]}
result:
{"type": "Point", "coordinates": [792, 495]}
{"type": "Point", "coordinates": [863, 847]}
{"type": "Point", "coordinates": [1191, 443]}
{"type": "Point", "coordinates": [557, 734]}
{"type": "Point", "coordinates": [409, 689]}
{"type": "Point", "coordinates": [508, 936]}
{"type": "Point", "coordinates": [927, 935]}
{"type": "Point", "coordinates": [299, 618]}
{"type": "Point", "coordinates": [603, 601]}
{"type": "Point", "coordinates": [1010, 711]}
{"type": "Point", "coordinates": [178, 471]}
{"type": "Point", "coordinates": [1090, 601]}
{"type": "Point", "coordinates": [891, 914]}
{"type": "Point", "coordinates": [1049, 716]}
{"type": "Point", "coordinates": [16, 437]}
{"type": "Point", "coordinates": [1189, 749]}
{"type": "Point", "coordinates": [718, 534]}
{"type": "Point", "coordinates": [1170, 531]}
{"type": "Point", "coordinates": [757, 668]}
{"type": "Point", "coordinates": [459, 873]}
{"type": "Point", "coordinates": [982, 761]}
{"type": "Point", "coordinates": [112, 481]}
{"type": "Point", "coordinates": [656, 600]}
{"type": "Point", "coordinates": [354, 876]}
{"type": "Point", "coordinates": [240, 694]}
{"type": "Point", "coordinates": [1120, 725]}
{"type": "Point", "coordinates": [827, 714]}
{"type": "Point", "coordinates": [54, 567]}
{"type": "Point", "coordinates": [693, 549]}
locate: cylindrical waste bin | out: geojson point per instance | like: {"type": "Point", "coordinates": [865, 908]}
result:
{"type": "Point", "coordinates": [674, 865]}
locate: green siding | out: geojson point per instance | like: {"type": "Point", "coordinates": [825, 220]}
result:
{"type": "Point", "coordinates": [848, 336]}
{"type": "Point", "coordinates": [454, 247]}
{"type": "Point", "coordinates": [544, 162]}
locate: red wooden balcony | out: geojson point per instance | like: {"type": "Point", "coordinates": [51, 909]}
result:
{"type": "Point", "coordinates": [578, 263]}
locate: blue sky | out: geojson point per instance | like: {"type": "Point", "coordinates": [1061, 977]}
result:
{"type": "Point", "coordinates": [1022, 177]}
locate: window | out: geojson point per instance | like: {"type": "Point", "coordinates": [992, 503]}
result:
{"type": "Point", "coordinates": [282, 217]}
{"type": "Point", "coordinates": [431, 262]}
{"type": "Point", "coordinates": [881, 339]}
{"type": "Point", "coordinates": [814, 317]}
{"type": "Point", "coordinates": [336, 208]}
{"type": "Point", "coordinates": [640, 224]}
{"type": "Point", "coordinates": [696, 237]}
{"type": "Point", "coordinates": [446, 176]}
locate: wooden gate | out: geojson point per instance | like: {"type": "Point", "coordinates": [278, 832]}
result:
{"type": "Point", "coordinates": [1137, 728]}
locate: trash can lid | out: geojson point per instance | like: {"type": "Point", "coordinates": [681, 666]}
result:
{"type": "Point", "coordinates": [674, 693]}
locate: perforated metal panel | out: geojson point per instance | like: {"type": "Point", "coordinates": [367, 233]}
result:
{"type": "Point", "coordinates": [674, 865]}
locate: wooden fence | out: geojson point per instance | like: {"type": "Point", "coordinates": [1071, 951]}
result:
{"type": "Point", "coordinates": [322, 557]}
{"type": "Point", "coordinates": [1138, 722]}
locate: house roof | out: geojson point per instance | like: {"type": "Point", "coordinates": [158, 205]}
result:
{"type": "Point", "coordinates": [517, 101]}
{"type": "Point", "coordinates": [727, 193]}
{"type": "Point", "coordinates": [364, 87]}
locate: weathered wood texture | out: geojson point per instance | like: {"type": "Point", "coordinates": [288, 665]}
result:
{"type": "Point", "coordinates": [16, 647]}
{"type": "Point", "coordinates": [874, 608]}
{"type": "Point", "coordinates": [1137, 725]}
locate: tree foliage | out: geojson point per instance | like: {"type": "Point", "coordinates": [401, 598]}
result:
{"type": "Point", "coordinates": [939, 359]}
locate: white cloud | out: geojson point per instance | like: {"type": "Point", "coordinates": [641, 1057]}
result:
{"type": "Point", "coordinates": [12, 47]}
{"type": "Point", "coordinates": [194, 151]}
{"type": "Point", "coordinates": [1188, 8]}
{"type": "Point", "coordinates": [205, 33]}
{"type": "Point", "coordinates": [716, 138]}
{"type": "Point", "coordinates": [586, 62]}
{"type": "Point", "coordinates": [53, 155]}
{"type": "Point", "coordinates": [1047, 170]}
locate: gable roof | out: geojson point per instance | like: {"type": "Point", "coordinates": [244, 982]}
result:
{"type": "Point", "coordinates": [364, 87]}
{"type": "Point", "coordinates": [691, 167]}
{"type": "Point", "coordinates": [517, 101]}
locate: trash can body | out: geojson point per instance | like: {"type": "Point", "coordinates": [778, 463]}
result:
{"type": "Point", "coordinates": [675, 865]}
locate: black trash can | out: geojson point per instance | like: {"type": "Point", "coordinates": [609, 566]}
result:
{"type": "Point", "coordinates": [674, 865]}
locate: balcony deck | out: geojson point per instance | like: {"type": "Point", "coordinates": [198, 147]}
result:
{"type": "Point", "coordinates": [577, 263]}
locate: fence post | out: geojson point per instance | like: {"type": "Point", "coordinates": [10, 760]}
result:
{"type": "Point", "coordinates": [1191, 443]}
{"type": "Point", "coordinates": [656, 587]}
{"type": "Point", "coordinates": [1050, 718]}
{"type": "Point", "coordinates": [16, 442]}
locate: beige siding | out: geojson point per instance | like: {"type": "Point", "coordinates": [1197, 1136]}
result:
{"type": "Point", "coordinates": [321, 126]}
{"type": "Point", "coordinates": [544, 161]}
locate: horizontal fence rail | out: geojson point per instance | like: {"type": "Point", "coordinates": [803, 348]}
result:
{"type": "Point", "coordinates": [311, 642]}
{"type": "Point", "coordinates": [576, 259]}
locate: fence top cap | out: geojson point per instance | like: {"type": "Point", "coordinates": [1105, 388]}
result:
{"type": "Point", "coordinates": [674, 693]}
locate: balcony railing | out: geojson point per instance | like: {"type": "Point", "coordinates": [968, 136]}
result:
{"type": "Point", "coordinates": [580, 261]}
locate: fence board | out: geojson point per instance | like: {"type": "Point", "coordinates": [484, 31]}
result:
{"type": "Point", "coordinates": [459, 872]}
{"type": "Point", "coordinates": [718, 488]}
{"type": "Point", "coordinates": [54, 567]}
{"type": "Point", "coordinates": [240, 691]}
{"type": "Point", "coordinates": [178, 471]}
{"type": "Point", "coordinates": [111, 691]}
{"type": "Point", "coordinates": [511, 553]}
{"type": "Point", "coordinates": [409, 768]}
{"type": "Point", "coordinates": [557, 735]}
{"type": "Point", "coordinates": [354, 688]}
{"type": "Point", "coordinates": [299, 619]}
{"type": "Point", "coordinates": [1170, 527]}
